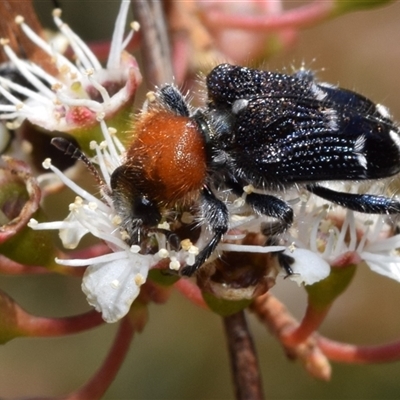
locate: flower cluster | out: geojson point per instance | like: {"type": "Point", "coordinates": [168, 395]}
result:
{"type": "Point", "coordinates": [83, 95]}
{"type": "Point", "coordinates": [75, 95]}
{"type": "Point", "coordinates": [343, 237]}
{"type": "Point", "coordinates": [93, 103]}
{"type": "Point", "coordinates": [86, 94]}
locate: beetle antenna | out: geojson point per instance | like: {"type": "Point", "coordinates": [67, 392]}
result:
{"type": "Point", "coordinates": [74, 152]}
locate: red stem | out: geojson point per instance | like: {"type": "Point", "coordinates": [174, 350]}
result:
{"type": "Point", "coordinates": [299, 18]}
{"type": "Point", "coordinates": [191, 292]}
{"type": "Point", "coordinates": [30, 325]}
{"type": "Point", "coordinates": [276, 317]}
{"type": "Point", "coordinates": [10, 267]}
{"type": "Point", "coordinates": [348, 353]}
{"type": "Point", "coordinates": [102, 379]}
{"type": "Point", "coordinates": [309, 324]}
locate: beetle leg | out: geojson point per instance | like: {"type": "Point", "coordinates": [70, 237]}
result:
{"type": "Point", "coordinates": [365, 203]}
{"type": "Point", "coordinates": [273, 207]}
{"type": "Point", "coordinates": [216, 214]}
{"type": "Point", "coordinates": [267, 205]}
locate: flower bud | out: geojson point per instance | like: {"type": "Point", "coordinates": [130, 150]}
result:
{"type": "Point", "coordinates": [19, 202]}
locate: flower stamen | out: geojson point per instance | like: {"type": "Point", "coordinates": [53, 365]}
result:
{"type": "Point", "coordinates": [25, 71]}
{"type": "Point", "coordinates": [84, 54]}
{"type": "Point", "coordinates": [117, 45]}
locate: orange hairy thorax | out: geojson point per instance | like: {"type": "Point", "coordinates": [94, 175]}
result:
{"type": "Point", "coordinates": [168, 153]}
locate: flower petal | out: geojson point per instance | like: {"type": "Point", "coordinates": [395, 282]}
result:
{"type": "Point", "coordinates": [383, 264]}
{"type": "Point", "coordinates": [71, 236]}
{"type": "Point", "coordinates": [112, 287]}
{"type": "Point", "coordinates": [308, 267]}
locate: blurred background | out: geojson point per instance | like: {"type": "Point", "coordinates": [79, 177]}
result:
{"type": "Point", "coordinates": [182, 353]}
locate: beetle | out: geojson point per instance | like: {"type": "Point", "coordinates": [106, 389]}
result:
{"type": "Point", "coordinates": [259, 128]}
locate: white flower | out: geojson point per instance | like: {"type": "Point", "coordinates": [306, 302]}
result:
{"type": "Point", "coordinates": [81, 95]}
{"type": "Point", "coordinates": [307, 266]}
{"type": "Point", "coordinates": [91, 215]}
{"type": "Point", "coordinates": [78, 96]}
{"type": "Point", "coordinates": [342, 237]}
{"type": "Point", "coordinates": [112, 281]}
{"type": "Point", "coordinates": [324, 234]}
{"type": "Point", "coordinates": [79, 92]}
{"type": "Point", "coordinates": [111, 286]}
